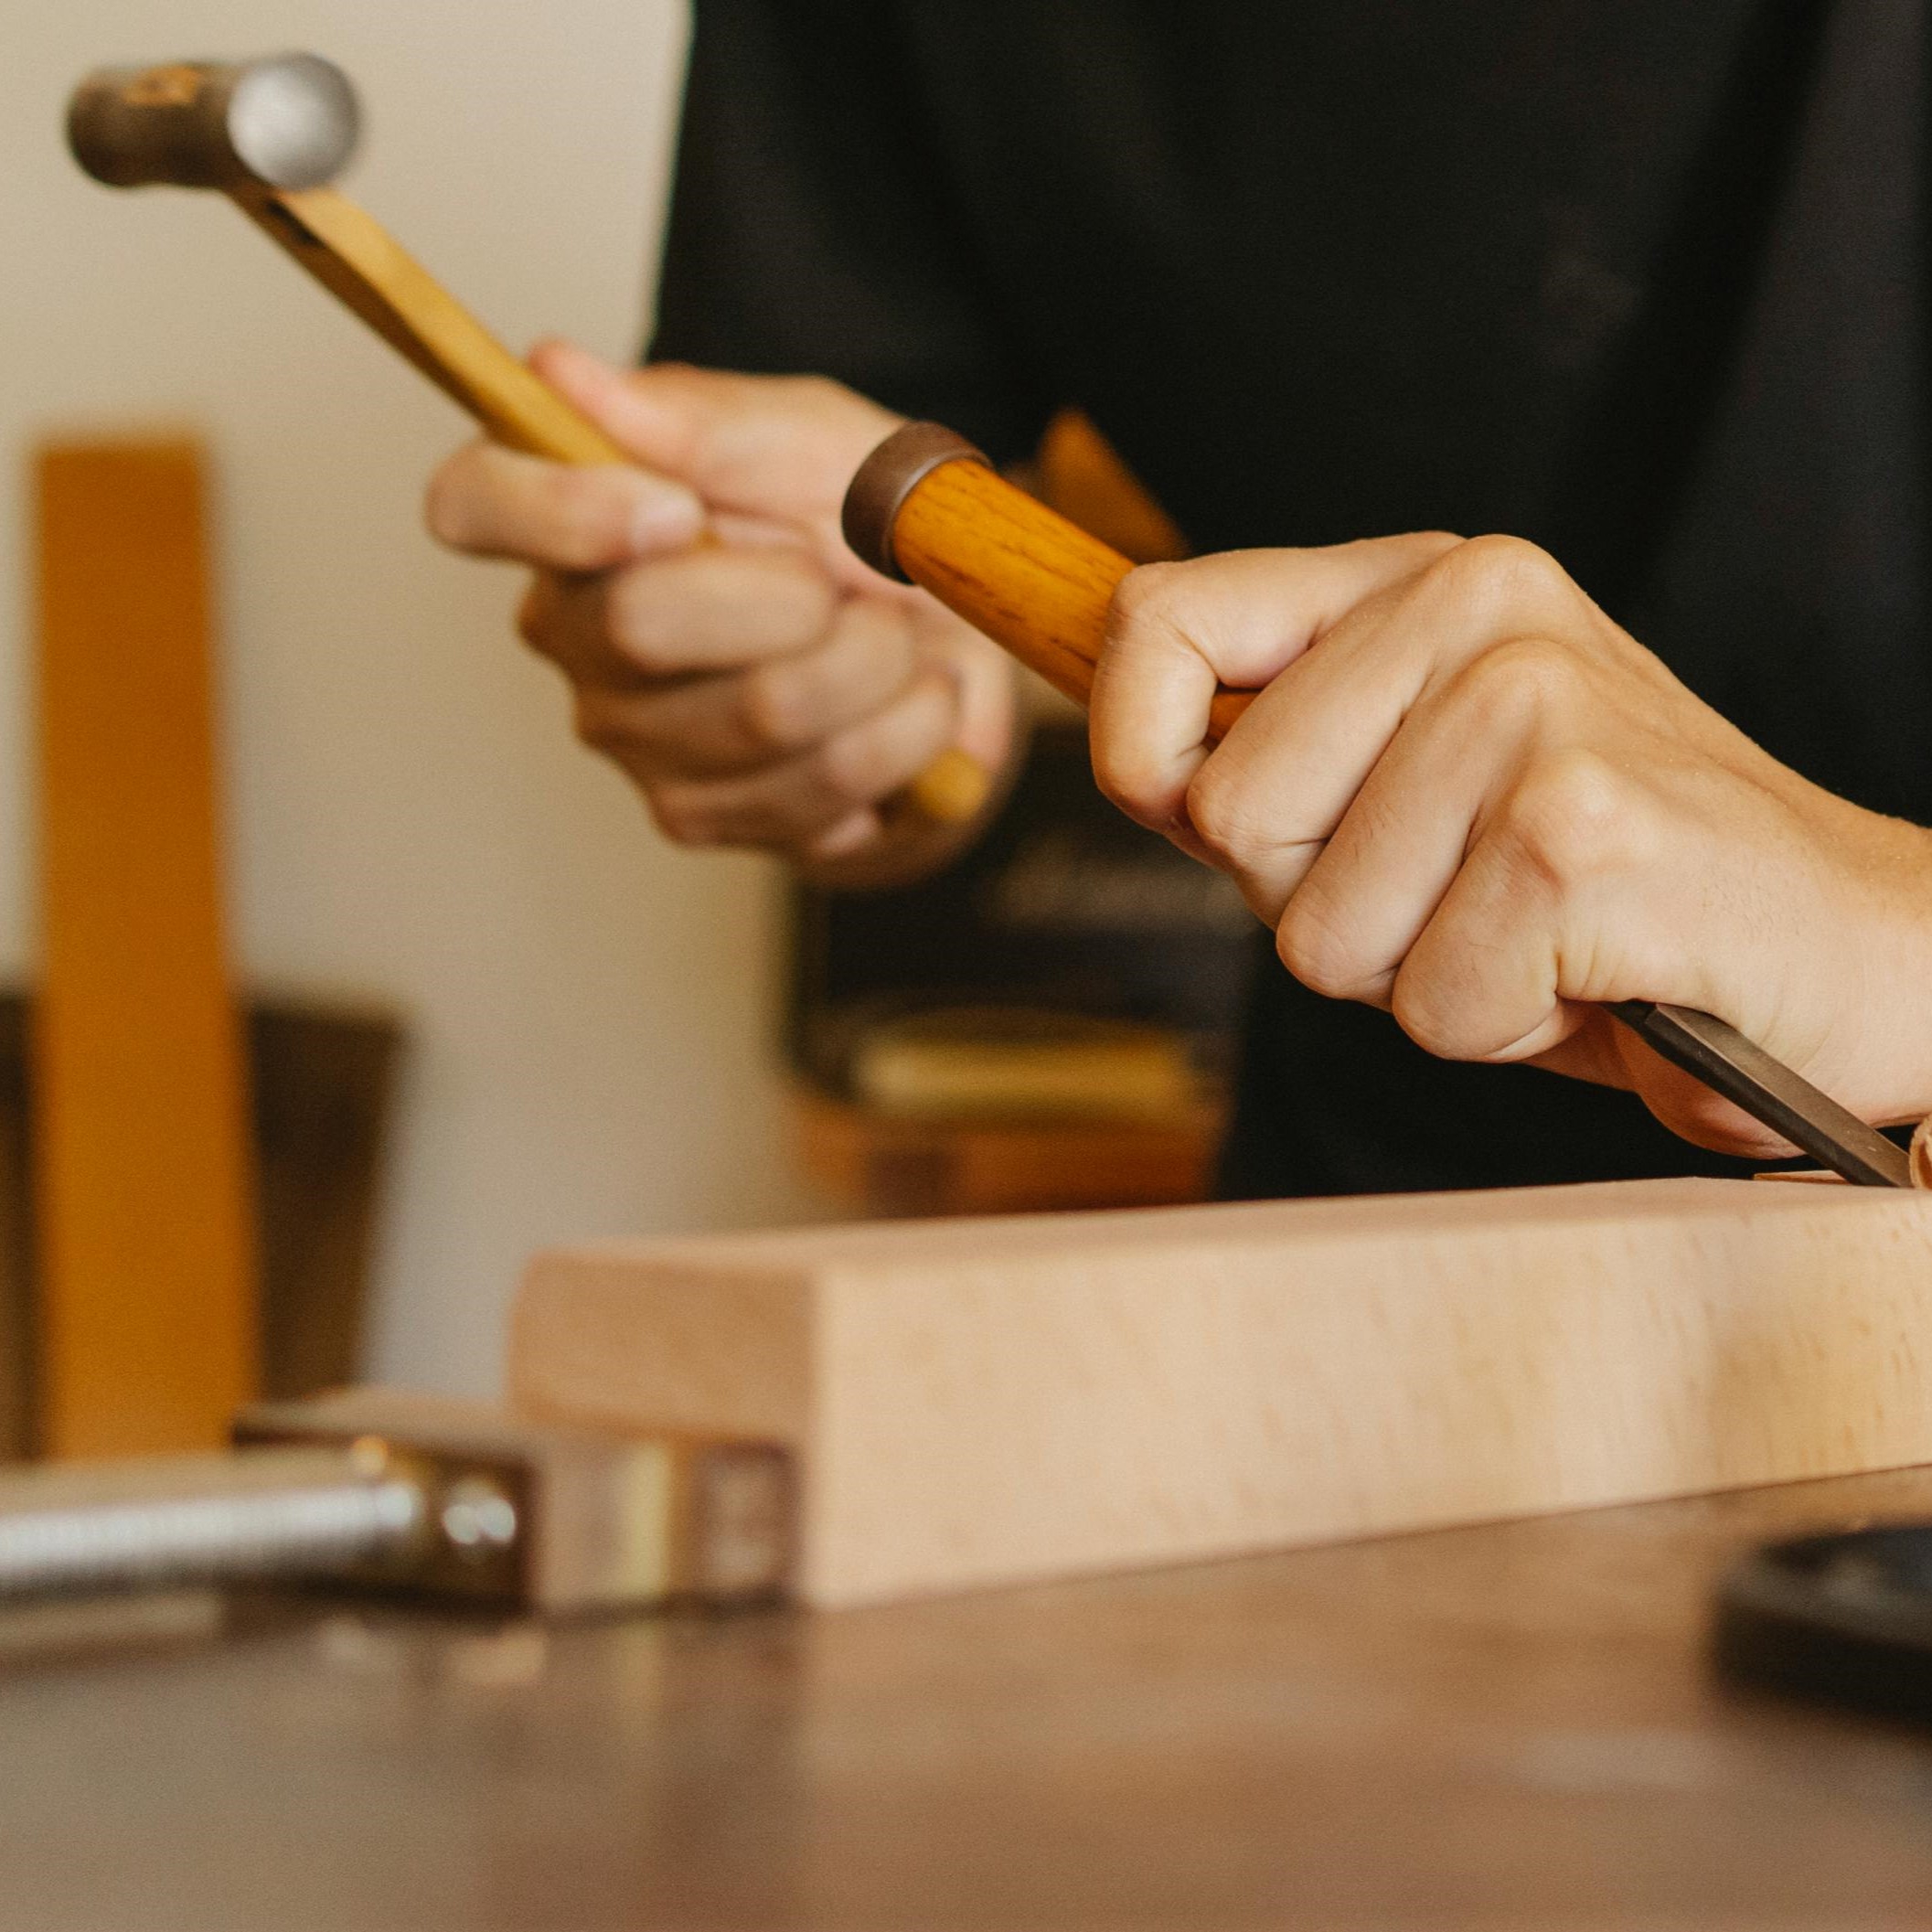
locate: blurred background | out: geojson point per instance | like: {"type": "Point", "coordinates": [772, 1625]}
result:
{"type": "Point", "coordinates": [572, 1029]}
{"type": "Point", "coordinates": [409, 821]}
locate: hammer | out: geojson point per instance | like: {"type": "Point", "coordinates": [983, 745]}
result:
{"type": "Point", "coordinates": [271, 134]}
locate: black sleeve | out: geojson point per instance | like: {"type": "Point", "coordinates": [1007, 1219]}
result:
{"type": "Point", "coordinates": [811, 230]}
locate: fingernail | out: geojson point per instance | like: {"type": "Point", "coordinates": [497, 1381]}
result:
{"type": "Point", "coordinates": [847, 835]}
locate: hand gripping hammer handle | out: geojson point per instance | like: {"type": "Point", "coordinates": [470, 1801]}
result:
{"type": "Point", "coordinates": [271, 134]}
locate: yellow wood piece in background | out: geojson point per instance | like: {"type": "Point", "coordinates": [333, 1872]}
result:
{"type": "Point", "coordinates": [144, 1225]}
{"type": "Point", "coordinates": [1083, 476]}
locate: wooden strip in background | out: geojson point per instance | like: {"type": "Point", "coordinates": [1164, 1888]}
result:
{"type": "Point", "coordinates": [142, 1200]}
{"type": "Point", "coordinates": [985, 1401]}
{"type": "Point", "coordinates": [1083, 476]}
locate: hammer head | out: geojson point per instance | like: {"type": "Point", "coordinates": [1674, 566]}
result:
{"type": "Point", "coordinates": [288, 122]}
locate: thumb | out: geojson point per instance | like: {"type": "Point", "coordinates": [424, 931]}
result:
{"type": "Point", "coordinates": [781, 447]}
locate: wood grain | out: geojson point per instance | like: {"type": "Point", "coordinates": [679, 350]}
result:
{"type": "Point", "coordinates": [1031, 580]}
{"type": "Point", "coordinates": [144, 1208]}
{"type": "Point", "coordinates": [981, 1402]}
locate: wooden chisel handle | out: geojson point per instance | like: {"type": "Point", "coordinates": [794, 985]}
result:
{"type": "Point", "coordinates": [362, 264]}
{"type": "Point", "coordinates": [926, 507]}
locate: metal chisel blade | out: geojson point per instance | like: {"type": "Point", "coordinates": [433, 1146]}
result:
{"type": "Point", "coordinates": [1767, 1090]}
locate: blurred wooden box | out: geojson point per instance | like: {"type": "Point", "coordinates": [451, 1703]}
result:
{"type": "Point", "coordinates": [877, 1166]}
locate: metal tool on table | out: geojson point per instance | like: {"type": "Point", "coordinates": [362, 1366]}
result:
{"type": "Point", "coordinates": [926, 507]}
{"type": "Point", "coordinates": [391, 1492]}
{"type": "Point", "coordinates": [271, 134]}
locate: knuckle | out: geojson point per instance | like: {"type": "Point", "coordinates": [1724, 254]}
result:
{"type": "Point", "coordinates": [593, 518]}
{"type": "Point", "coordinates": [826, 404]}
{"type": "Point", "coordinates": [534, 618]}
{"type": "Point", "coordinates": [597, 724]}
{"type": "Point", "coordinates": [1520, 679]}
{"type": "Point", "coordinates": [773, 708]}
{"type": "Point", "coordinates": [1494, 572]}
{"type": "Point", "coordinates": [446, 502]}
{"type": "Point", "coordinates": [1124, 778]}
{"type": "Point", "coordinates": [1312, 945]}
{"type": "Point", "coordinates": [814, 392]}
{"type": "Point", "coordinates": [1573, 816]}
{"type": "Point", "coordinates": [1146, 599]}
{"type": "Point", "coordinates": [638, 629]}
{"type": "Point", "coordinates": [1417, 1005]}
{"type": "Point", "coordinates": [680, 812]}
{"type": "Point", "coordinates": [849, 767]}
{"type": "Point", "coordinates": [874, 640]}
{"type": "Point", "coordinates": [1222, 813]}
{"type": "Point", "coordinates": [801, 599]}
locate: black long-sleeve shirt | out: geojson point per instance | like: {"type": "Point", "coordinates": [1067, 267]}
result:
{"type": "Point", "coordinates": [1641, 280]}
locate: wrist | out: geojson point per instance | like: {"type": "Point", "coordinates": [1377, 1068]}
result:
{"type": "Point", "coordinates": [1893, 992]}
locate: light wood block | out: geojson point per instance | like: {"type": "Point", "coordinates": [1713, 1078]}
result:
{"type": "Point", "coordinates": [977, 1403]}
{"type": "Point", "coordinates": [143, 1206]}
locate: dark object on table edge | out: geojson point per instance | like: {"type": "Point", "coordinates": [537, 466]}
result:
{"type": "Point", "coordinates": [1840, 1619]}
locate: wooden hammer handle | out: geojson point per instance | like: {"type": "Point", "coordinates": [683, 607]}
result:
{"type": "Point", "coordinates": [363, 265]}
{"type": "Point", "coordinates": [926, 507]}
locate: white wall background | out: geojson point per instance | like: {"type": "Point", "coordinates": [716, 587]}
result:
{"type": "Point", "coordinates": [409, 816]}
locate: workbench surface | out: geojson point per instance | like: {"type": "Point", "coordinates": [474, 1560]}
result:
{"type": "Point", "coordinates": [1503, 1727]}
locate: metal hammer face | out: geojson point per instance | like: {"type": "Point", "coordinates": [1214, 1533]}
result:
{"type": "Point", "coordinates": [288, 122]}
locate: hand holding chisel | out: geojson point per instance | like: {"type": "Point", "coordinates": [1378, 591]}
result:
{"type": "Point", "coordinates": [930, 510]}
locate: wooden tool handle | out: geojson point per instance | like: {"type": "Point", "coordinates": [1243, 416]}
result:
{"type": "Point", "coordinates": [363, 265]}
{"type": "Point", "coordinates": [927, 507]}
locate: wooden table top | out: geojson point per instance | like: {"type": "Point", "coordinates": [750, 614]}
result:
{"type": "Point", "coordinates": [1508, 1726]}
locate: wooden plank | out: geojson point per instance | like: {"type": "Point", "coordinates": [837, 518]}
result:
{"type": "Point", "coordinates": [982, 1402]}
{"type": "Point", "coordinates": [145, 1220]}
